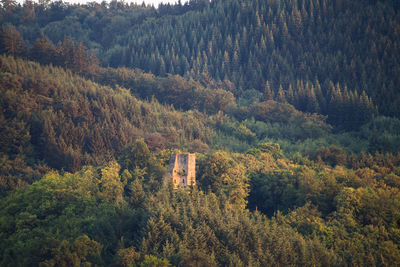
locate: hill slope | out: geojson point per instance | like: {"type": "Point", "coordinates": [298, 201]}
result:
{"type": "Point", "coordinates": [352, 45]}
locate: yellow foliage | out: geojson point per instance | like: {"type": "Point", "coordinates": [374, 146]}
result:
{"type": "Point", "coordinates": [111, 185]}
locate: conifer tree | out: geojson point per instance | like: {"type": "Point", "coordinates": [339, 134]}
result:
{"type": "Point", "coordinates": [281, 95]}
{"type": "Point", "coordinates": [43, 51]}
{"type": "Point", "coordinates": [11, 41]}
{"type": "Point", "coordinates": [268, 94]}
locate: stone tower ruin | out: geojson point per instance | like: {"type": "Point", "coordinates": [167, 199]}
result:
{"type": "Point", "coordinates": [182, 170]}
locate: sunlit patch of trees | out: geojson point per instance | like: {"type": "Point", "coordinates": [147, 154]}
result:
{"type": "Point", "coordinates": [290, 106]}
{"type": "Point", "coordinates": [254, 208]}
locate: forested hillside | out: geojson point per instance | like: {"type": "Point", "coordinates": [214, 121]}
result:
{"type": "Point", "coordinates": [292, 109]}
{"type": "Point", "coordinates": [324, 54]}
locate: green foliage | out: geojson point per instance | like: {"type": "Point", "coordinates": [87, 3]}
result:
{"type": "Point", "coordinates": [141, 164]}
{"type": "Point", "coordinates": [225, 177]}
{"type": "Point", "coordinates": [173, 89]}
{"type": "Point", "coordinates": [332, 155]}
{"type": "Point", "coordinates": [383, 134]}
{"type": "Point", "coordinates": [127, 256]}
{"type": "Point", "coordinates": [51, 115]}
{"type": "Point", "coordinates": [150, 261]}
{"type": "Point", "coordinates": [268, 79]}
{"type": "Point", "coordinates": [273, 191]}
{"type": "Point", "coordinates": [78, 253]}
{"type": "Point", "coordinates": [270, 148]}
{"type": "Point", "coordinates": [319, 215]}
{"type": "Point", "coordinates": [62, 220]}
{"type": "Point", "coordinates": [201, 229]}
{"type": "Point", "coordinates": [349, 211]}
{"type": "Point", "coordinates": [135, 156]}
{"type": "Point", "coordinates": [337, 71]}
{"type": "Point", "coordinates": [274, 112]}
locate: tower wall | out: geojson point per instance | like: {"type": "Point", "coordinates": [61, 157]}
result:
{"type": "Point", "coordinates": [182, 170]}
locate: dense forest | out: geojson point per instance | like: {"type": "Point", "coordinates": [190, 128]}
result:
{"type": "Point", "coordinates": [291, 106]}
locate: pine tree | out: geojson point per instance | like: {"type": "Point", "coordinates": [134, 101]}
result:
{"type": "Point", "coordinates": [80, 59]}
{"type": "Point", "coordinates": [312, 103]}
{"type": "Point", "coordinates": [11, 41]}
{"type": "Point", "coordinates": [44, 51]}
{"type": "Point", "coordinates": [281, 95]}
{"type": "Point", "coordinates": [268, 94]}
{"type": "Point", "coordinates": [290, 95]}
